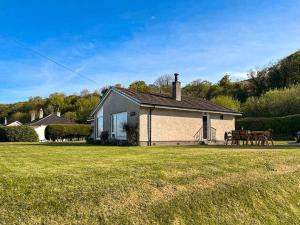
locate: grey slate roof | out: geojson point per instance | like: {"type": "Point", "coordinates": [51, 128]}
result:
{"type": "Point", "coordinates": [51, 119]}
{"type": "Point", "coordinates": [165, 100]}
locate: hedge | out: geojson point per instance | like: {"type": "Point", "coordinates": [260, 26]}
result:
{"type": "Point", "coordinates": [283, 127]}
{"type": "Point", "coordinates": [60, 131]}
{"type": "Point", "coordinates": [18, 134]}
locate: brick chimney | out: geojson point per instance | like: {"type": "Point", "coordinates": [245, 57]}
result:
{"type": "Point", "coordinates": [176, 88]}
{"type": "Point", "coordinates": [41, 114]}
{"type": "Point", "coordinates": [32, 116]}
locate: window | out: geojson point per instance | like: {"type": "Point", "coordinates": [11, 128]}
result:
{"type": "Point", "coordinates": [117, 125]}
{"type": "Point", "coordinates": [99, 122]}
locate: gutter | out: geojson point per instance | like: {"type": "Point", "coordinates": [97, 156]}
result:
{"type": "Point", "coordinates": [191, 110]}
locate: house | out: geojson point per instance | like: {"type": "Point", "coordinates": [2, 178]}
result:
{"type": "Point", "coordinates": [162, 119]}
{"type": "Point", "coordinates": [12, 124]}
{"type": "Point", "coordinates": [42, 122]}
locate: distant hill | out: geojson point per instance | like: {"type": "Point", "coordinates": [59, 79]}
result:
{"type": "Point", "coordinates": [284, 73]}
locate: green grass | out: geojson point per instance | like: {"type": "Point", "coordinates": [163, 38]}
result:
{"type": "Point", "coordinates": [82, 184]}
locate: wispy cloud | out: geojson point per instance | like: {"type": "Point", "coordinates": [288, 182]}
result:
{"type": "Point", "coordinates": [200, 47]}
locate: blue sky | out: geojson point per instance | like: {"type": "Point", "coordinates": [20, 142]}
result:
{"type": "Point", "coordinates": [122, 41]}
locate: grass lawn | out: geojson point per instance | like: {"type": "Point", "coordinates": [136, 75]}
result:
{"type": "Point", "coordinates": [82, 184]}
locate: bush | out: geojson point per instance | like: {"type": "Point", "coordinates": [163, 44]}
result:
{"type": "Point", "coordinates": [70, 132]}
{"type": "Point", "coordinates": [227, 102]}
{"type": "Point", "coordinates": [132, 134]}
{"type": "Point", "coordinates": [104, 136]}
{"type": "Point", "coordinates": [283, 127]}
{"type": "Point", "coordinates": [277, 102]}
{"type": "Point", "coordinates": [106, 140]}
{"type": "Point", "coordinates": [18, 134]}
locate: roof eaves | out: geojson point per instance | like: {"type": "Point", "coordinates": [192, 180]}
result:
{"type": "Point", "coordinates": [131, 98]}
{"type": "Point", "coordinates": [120, 92]}
{"type": "Point", "coordinates": [190, 109]}
{"type": "Point", "coordinates": [40, 119]}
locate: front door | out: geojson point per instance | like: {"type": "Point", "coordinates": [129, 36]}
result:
{"type": "Point", "coordinates": [204, 120]}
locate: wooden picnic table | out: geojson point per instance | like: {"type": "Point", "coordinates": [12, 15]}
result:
{"type": "Point", "coordinates": [254, 137]}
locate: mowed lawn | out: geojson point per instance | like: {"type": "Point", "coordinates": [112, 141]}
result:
{"type": "Point", "coordinates": [83, 184]}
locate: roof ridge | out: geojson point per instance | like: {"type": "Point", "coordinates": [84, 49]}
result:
{"type": "Point", "coordinates": [37, 120]}
{"type": "Point", "coordinates": [144, 92]}
{"type": "Point", "coordinates": [187, 102]}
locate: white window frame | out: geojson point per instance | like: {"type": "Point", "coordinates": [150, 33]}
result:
{"type": "Point", "coordinates": [99, 115]}
{"type": "Point", "coordinates": [114, 126]}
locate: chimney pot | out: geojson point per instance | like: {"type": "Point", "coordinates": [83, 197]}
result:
{"type": "Point", "coordinates": [176, 88]}
{"type": "Point", "coordinates": [176, 76]}
{"type": "Point", "coordinates": [32, 116]}
{"type": "Point", "coordinates": [58, 113]}
{"type": "Point", "coordinates": [41, 114]}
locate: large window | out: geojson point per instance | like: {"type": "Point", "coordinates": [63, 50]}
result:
{"type": "Point", "coordinates": [117, 125]}
{"type": "Point", "coordinates": [100, 122]}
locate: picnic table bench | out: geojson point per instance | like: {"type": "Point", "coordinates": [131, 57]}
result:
{"type": "Point", "coordinates": [252, 137]}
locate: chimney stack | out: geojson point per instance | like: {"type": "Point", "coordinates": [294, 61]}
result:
{"type": "Point", "coordinates": [41, 114]}
{"type": "Point", "coordinates": [32, 116]}
{"type": "Point", "coordinates": [176, 88]}
{"type": "Point", "coordinates": [58, 112]}
{"type": "Point", "coordinates": [5, 121]}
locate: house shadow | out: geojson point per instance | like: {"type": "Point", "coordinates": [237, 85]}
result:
{"type": "Point", "coordinates": [200, 146]}
{"type": "Point", "coordinates": [60, 144]}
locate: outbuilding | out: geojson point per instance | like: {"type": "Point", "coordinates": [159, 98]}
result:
{"type": "Point", "coordinates": [42, 122]}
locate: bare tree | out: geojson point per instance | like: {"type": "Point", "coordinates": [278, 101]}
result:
{"type": "Point", "coordinates": [164, 80]}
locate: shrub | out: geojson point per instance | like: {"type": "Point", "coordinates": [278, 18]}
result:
{"type": "Point", "coordinates": [104, 136]}
{"type": "Point", "coordinates": [18, 134]}
{"type": "Point", "coordinates": [132, 134]}
{"type": "Point", "coordinates": [70, 132]}
{"type": "Point", "coordinates": [283, 127]}
{"type": "Point", "coordinates": [2, 133]}
{"type": "Point", "coordinates": [227, 102]}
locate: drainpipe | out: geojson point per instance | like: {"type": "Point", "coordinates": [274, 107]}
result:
{"type": "Point", "coordinates": [150, 127]}
{"type": "Point", "coordinates": [95, 128]}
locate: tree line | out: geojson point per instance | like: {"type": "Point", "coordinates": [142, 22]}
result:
{"type": "Point", "coordinates": [73, 107]}
{"type": "Point", "coordinates": [266, 92]}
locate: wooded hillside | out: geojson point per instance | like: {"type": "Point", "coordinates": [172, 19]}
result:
{"type": "Point", "coordinates": [267, 92]}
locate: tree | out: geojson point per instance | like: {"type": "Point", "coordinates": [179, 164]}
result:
{"type": "Point", "coordinates": [139, 86]}
{"type": "Point", "coordinates": [84, 107]}
{"type": "Point", "coordinates": [57, 100]}
{"type": "Point", "coordinates": [118, 85]}
{"type": "Point", "coordinates": [198, 89]}
{"type": "Point", "coordinates": [164, 83]}
{"type": "Point", "coordinates": [227, 102]}
{"type": "Point", "coordinates": [282, 74]}
{"type": "Point", "coordinates": [225, 81]}
{"type": "Point", "coordinates": [70, 115]}
{"type": "Point", "coordinates": [104, 90]}
{"type": "Point", "coordinates": [84, 92]}
{"type": "Point", "coordinates": [35, 103]}
{"type": "Point", "coordinates": [20, 116]}
{"type": "Point", "coordinates": [164, 80]}
{"type": "Point", "coordinates": [277, 102]}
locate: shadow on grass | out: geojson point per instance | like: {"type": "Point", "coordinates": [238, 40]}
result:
{"type": "Point", "coordinates": [83, 144]}
{"type": "Point", "coordinates": [247, 146]}
{"type": "Point", "coordinates": [71, 144]}
{"type": "Point", "coordinates": [62, 144]}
